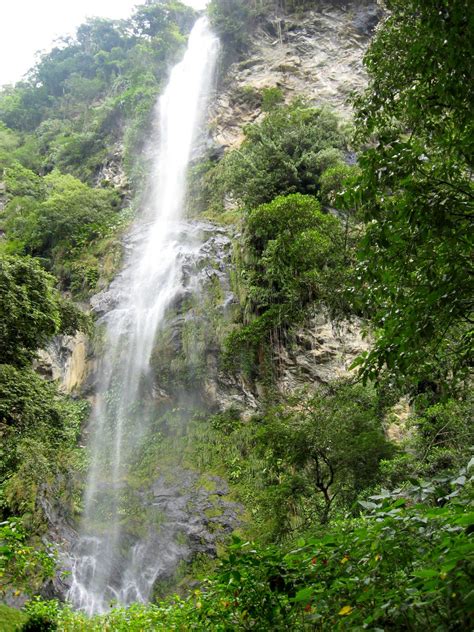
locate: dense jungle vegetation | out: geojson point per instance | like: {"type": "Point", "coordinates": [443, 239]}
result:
{"type": "Point", "coordinates": [344, 529]}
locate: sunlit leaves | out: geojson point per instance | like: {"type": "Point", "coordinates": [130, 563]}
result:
{"type": "Point", "coordinates": [29, 309]}
{"type": "Point", "coordinates": [22, 566]}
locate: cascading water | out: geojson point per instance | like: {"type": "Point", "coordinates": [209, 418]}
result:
{"type": "Point", "coordinates": [108, 563]}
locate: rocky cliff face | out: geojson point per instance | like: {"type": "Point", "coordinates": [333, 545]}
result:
{"type": "Point", "coordinates": [319, 352]}
{"type": "Point", "coordinates": [66, 361]}
{"type": "Point", "coordinates": [317, 55]}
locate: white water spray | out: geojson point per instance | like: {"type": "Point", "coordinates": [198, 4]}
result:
{"type": "Point", "coordinates": [109, 564]}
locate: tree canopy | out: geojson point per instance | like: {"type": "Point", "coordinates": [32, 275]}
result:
{"type": "Point", "coordinates": [29, 308]}
{"type": "Point", "coordinates": [81, 95]}
{"type": "Point", "coordinates": [416, 192]}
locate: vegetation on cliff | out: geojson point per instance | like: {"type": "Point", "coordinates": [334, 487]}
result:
{"type": "Point", "coordinates": [92, 91]}
{"type": "Point", "coordinates": [235, 20]}
{"type": "Point", "coordinates": [39, 428]}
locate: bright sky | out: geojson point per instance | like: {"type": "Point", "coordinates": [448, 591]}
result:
{"type": "Point", "coordinates": [28, 26]}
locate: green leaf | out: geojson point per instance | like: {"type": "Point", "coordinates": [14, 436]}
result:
{"type": "Point", "coordinates": [305, 594]}
{"type": "Point", "coordinates": [368, 505]}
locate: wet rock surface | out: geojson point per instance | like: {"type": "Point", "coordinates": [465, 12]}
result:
{"type": "Point", "coordinates": [320, 351]}
{"type": "Point", "coordinates": [192, 517]}
{"type": "Point", "coordinates": [209, 257]}
{"type": "Point", "coordinates": [202, 516]}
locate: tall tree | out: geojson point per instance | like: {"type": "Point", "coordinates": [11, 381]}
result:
{"type": "Point", "coordinates": [416, 190]}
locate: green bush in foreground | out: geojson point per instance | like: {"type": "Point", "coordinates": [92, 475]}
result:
{"type": "Point", "coordinates": [22, 567]}
{"type": "Point", "coordinates": [11, 619]}
{"type": "Point", "coordinates": [407, 562]}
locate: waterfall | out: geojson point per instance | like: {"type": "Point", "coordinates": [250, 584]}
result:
{"type": "Point", "coordinates": [107, 563]}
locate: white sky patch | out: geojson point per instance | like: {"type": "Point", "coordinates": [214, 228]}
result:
{"type": "Point", "coordinates": [30, 26]}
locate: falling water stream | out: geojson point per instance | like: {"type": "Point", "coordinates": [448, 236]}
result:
{"type": "Point", "coordinates": [109, 565]}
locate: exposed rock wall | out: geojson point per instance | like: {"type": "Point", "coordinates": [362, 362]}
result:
{"type": "Point", "coordinates": [317, 55]}
{"type": "Point", "coordinates": [323, 351]}
{"type": "Point", "coordinates": [66, 361]}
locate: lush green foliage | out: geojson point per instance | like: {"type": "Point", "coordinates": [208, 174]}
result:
{"type": "Point", "coordinates": [439, 438]}
{"type": "Point", "coordinates": [83, 111]}
{"type": "Point", "coordinates": [336, 179]}
{"type": "Point", "coordinates": [292, 249]}
{"type": "Point", "coordinates": [11, 618]}
{"type": "Point", "coordinates": [69, 215]}
{"type": "Point", "coordinates": [445, 434]}
{"type": "Point", "coordinates": [413, 190]}
{"type": "Point", "coordinates": [323, 449]}
{"type": "Point", "coordinates": [293, 257]}
{"type": "Point", "coordinates": [301, 461]}
{"type": "Point", "coordinates": [39, 430]}
{"type": "Point", "coordinates": [232, 21]}
{"type": "Point", "coordinates": [293, 260]}
{"type": "Point", "coordinates": [22, 567]}
{"type": "Point", "coordinates": [38, 427]}
{"type": "Point", "coordinates": [285, 153]}
{"type": "Point", "coordinates": [416, 191]}
{"type": "Point", "coordinates": [87, 93]}
{"type": "Point", "coordinates": [62, 220]}
{"type": "Point", "coordinates": [402, 564]}
{"type": "Point", "coordinates": [29, 308]}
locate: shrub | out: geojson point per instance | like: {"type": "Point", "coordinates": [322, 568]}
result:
{"type": "Point", "coordinates": [397, 567]}
{"type": "Point", "coordinates": [29, 308]}
{"type": "Point", "coordinates": [283, 154]}
{"type": "Point", "coordinates": [335, 179]}
{"type": "Point", "coordinates": [293, 260]}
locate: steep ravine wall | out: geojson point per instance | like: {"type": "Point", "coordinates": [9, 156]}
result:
{"type": "Point", "coordinates": [319, 57]}
{"type": "Point", "coordinates": [316, 55]}
{"type": "Point", "coordinates": [66, 360]}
